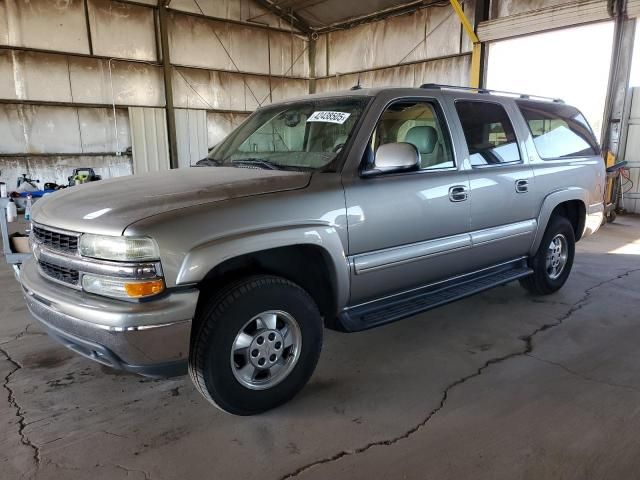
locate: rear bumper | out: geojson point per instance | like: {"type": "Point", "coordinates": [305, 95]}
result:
{"type": "Point", "coordinates": [150, 338]}
{"type": "Point", "coordinates": [593, 220]}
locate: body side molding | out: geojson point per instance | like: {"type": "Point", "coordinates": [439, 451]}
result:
{"type": "Point", "coordinates": [390, 257]}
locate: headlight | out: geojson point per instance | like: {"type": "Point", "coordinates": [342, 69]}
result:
{"type": "Point", "coordinates": [121, 287]}
{"type": "Point", "coordinates": [105, 247]}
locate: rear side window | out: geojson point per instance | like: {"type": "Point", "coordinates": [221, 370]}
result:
{"type": "Point", "coordinates": [488, 132]}
{"type": "Point", "coordinates": [559, 130]}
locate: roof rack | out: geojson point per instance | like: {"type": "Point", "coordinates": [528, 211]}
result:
{"type": "Point", "coordinates": [524, 96]}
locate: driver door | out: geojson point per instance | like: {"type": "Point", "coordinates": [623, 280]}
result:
{"type": "Point", "coordinates": [408, 229]}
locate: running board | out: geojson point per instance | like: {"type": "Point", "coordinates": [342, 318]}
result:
{"type": "Point", "coordinates": [397, 307]}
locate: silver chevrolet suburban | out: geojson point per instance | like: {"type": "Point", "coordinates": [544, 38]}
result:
{"type": "Point", "coordinates": [347, 210]}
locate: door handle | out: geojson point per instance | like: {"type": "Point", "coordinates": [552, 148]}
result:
{"type": "Point", "coordinates": [458, 193]}
{"type": "Point", "coordinates": [522, 186]}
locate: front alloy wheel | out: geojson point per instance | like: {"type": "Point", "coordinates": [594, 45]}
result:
{"type": "Point", "coordinates": [257, 344]}
{"type": "Point", "coordinates": [266, 349]}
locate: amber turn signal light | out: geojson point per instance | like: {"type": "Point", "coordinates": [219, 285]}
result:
{"type": "Point", "coordinates": [143, 289]}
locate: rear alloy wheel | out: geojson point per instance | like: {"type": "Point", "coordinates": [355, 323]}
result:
{"type": "Point", "coordinates": [258, 343]}
{"type": "Point", "coordinates": [553, 261]}
{"type": "Point", "coordinates": [557, 254]}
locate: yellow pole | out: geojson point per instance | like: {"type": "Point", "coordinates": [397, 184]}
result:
{"type": "Point", "coordinates": [476, 53]}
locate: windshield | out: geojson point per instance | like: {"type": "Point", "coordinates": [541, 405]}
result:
{"type": "Point", "coordinates": [305, 135]}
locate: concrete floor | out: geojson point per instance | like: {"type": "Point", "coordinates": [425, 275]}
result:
{"type": "Point", "coordinates": [502, 385]}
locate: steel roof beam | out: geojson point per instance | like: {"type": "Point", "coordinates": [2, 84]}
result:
{"type": "Point", "coordinates": [290, 17]}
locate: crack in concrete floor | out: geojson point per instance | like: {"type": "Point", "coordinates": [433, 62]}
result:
{"type": "Point", "coordinates": [21, 334]}
{"type": "Point", "coordinates": [19, 411]}
{"type": "Point", "coordinates": [582, 376]}
{"type": "Point", "coordinates": [528, 341]}
{"type": "Point", "coordinates": [527, 351]}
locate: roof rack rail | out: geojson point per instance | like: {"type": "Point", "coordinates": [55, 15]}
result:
{"type": "Point", "coordinates": [524, 96]}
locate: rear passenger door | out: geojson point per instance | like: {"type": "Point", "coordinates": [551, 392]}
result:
{"type": "Point", "coordinates": [502, 184]}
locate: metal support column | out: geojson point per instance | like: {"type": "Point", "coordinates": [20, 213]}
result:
{"type": "Point", "coordinates": [477, 54]}
{"type": "Point", "coordinates": [312, 62]}
{"type": "Point", "coordinates": [168, 85]}
{"type": "Point", "coordinates": [482, 14]}
{"type": "Point", "coordinates": [617, 89]}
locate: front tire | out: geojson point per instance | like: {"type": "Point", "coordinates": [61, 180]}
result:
{"type": "Point", "coordinates": [258, 343]}
{"type": "Point", "coordinates": [553, 261]}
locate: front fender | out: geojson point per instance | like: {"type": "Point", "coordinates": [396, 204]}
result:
{"type": "Point", "coordinates": [203, 258]}
{"type": "Point", "coordinates": [549, 204]}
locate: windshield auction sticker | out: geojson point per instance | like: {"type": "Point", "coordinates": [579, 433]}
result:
{"type": "Point", "coordinates": [329, 117]}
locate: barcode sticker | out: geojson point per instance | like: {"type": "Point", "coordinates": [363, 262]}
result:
{"type": "Point", "coordinates": [329, 117]}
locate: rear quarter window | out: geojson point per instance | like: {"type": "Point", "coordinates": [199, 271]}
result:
{"type": "Point", "coordinates": [559, 130]}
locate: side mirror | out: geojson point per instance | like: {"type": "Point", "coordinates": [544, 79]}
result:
{"type": "Point", "coordinates": [394, 157]}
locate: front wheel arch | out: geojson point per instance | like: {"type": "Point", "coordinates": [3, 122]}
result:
{"type": "Point", "coordinates": [308, 266]}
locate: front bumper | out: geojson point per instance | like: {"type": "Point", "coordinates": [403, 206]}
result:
{"type": "Point", "coordinates": [150, 338]}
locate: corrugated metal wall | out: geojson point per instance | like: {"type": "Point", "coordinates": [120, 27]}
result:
{"type": "Point", "coordinates": [149, 140]}
{"type": "Point", "coordinates": [65, 67]}
{"type": "Point", "coordinates": [426, 46]}
{"type": "Point", "coordinates": [631, 153]}
{"type": "Point", "coordinates": [191, 127]}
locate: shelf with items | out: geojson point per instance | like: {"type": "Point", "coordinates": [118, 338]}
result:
{"type": "Point", "coordinates": [10, 230]}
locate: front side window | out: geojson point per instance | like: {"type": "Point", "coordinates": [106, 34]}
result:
{"type": "Point", "coordinates": [558, 130]}
{"type": "Point", "coordinates": [306, 135]}
{"type": "Point", "coordinates": [489, 133]}
{"type": "Point", "coordinates": [417, 123]}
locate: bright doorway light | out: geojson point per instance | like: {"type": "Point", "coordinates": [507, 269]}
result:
{"type": "Point", "coordinates": [634, 78]}
{"type": "Point", "coordinates": [572, 64]}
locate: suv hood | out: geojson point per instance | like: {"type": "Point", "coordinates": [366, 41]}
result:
{"type": "Point", "coordinates": [109, 206]}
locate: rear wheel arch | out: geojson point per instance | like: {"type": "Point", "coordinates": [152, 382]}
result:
{"type": "Point", "coordinates": [570, 204]}
{"type": "Point", "coordinates": [576, 212]}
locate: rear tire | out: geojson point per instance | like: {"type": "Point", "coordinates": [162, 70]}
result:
{"type": "Point", "coordinates": [553, 261]}
{"type": "Point", "coordinates": [258, 343]}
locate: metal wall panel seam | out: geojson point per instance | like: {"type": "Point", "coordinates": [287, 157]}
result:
{"type": "Point", "coordinates": [413, 62]}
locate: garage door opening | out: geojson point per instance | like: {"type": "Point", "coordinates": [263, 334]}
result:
{"type": "Point", "coordinates": [572, 64]}
{"type": "Point", "coordinates": [634, 76]}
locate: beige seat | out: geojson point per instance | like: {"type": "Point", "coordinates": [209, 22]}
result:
{"type": "Point", "coordinates": [425, 139]}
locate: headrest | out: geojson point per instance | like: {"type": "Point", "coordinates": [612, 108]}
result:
{"type": "Point", "coordinates": [424, 138]}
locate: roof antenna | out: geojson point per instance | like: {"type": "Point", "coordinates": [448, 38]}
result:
{"type": "Point", "coordinates": [358, 86]}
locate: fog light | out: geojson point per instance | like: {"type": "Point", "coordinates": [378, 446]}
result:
{"type": "Point", "coordinates": [120, 287]}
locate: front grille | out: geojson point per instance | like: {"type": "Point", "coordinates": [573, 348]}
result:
{"type": "Point", "coordinates": [55, 240]}
{"type": "Point", "coordinates": [62, 274]}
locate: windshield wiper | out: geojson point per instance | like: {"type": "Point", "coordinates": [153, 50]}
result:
{"type": "Point", "coordinates": [266, 164]}
{"type": "Point", "coordinates": [208, 162]}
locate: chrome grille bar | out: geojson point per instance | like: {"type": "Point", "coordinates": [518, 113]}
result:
{"type": "Point", "coordinates": [98, 267]}
{"type": "Point", "coordinates": [56, 239]}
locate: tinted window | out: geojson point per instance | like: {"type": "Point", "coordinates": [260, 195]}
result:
{"type": "Point", "coordinates": [419, 124]}
{"type": "Point", "coordinates": [559, 130]}
{"type": "Point", "coordinates": [489, 133]}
